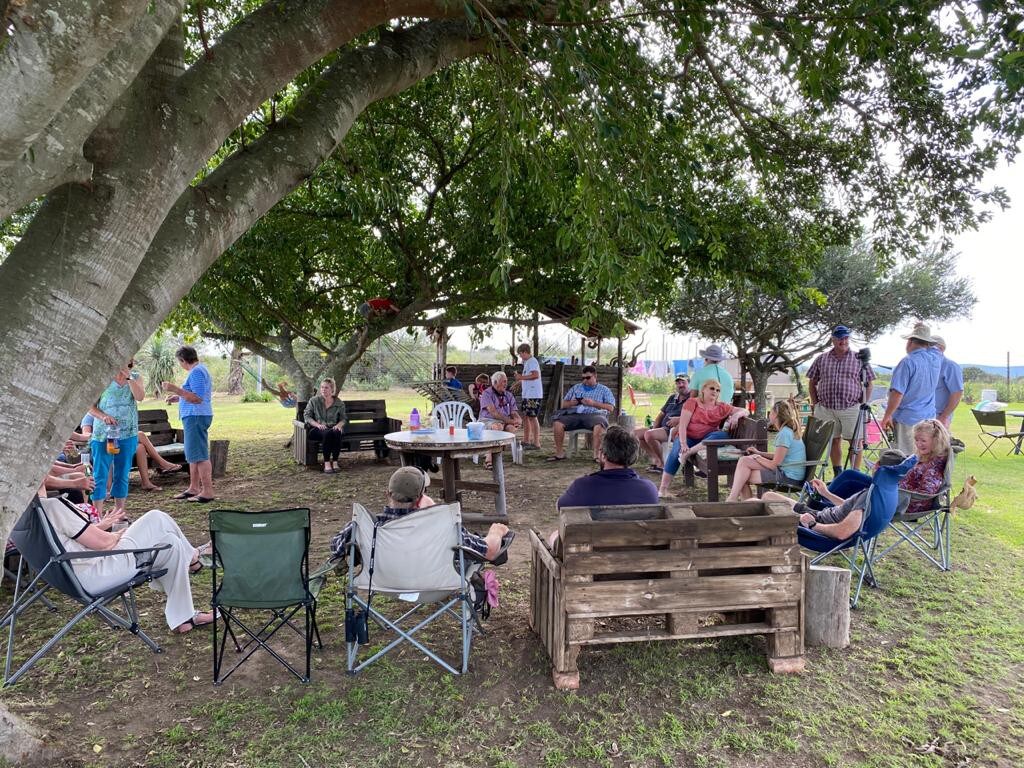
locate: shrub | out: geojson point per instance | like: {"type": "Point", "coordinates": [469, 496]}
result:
{"type": "Point", "coordinates": [250, 396]}
{"type": "Point", "coordinates": [663, 386]}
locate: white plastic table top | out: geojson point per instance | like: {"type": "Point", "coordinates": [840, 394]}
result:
{"type": "Point", "coordinates": [441, 440]}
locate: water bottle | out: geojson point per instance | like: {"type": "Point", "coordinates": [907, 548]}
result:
{"type": "Point", "coordinates": [113, 434]}
{"type": "Point", "coordinates": [414, 420]}
{"type": "Point", "coordinates": [648, 422]}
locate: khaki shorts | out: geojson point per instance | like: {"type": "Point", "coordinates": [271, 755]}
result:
{"type": "Point", "coordinates": [904, 437]}
{"type": "Point", "coordinates": [845, 419]}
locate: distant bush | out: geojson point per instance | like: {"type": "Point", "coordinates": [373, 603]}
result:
{"type": "Point", "coordinates": [381, 383]}
{"type": "Point", "coordinates": [663, 386]}
{"type": "Point", "coordinates": [251, 396]}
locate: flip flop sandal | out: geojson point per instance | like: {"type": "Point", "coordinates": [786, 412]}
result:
{"type": "Point", "coordinates": [192, 624]}
{"type": "Point", "coordinates": [176, 468]}
{"type": "Point", "coordinates": [183, 495]}
{"type": "Point", "coordinates": [200, 499]}
{"type": "Point", "coordinates": [555, 458]}
{"type": "Point", "coordinates": [195, 567]}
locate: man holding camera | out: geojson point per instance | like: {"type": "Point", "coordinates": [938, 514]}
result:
{"type": "Point", "coordinates": [835, 386]}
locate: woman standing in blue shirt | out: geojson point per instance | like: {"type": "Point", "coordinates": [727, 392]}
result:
{"type": "Point", "coordinates": [785, 464]}
{"type": "Point", "coordinates": [115, 421]}
{"type": "Point", "coordinates": [195, 408]}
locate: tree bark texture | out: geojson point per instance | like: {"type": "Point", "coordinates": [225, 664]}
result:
{"type": "Point", "coordinates": [827, 618]}
{"type": "Point", "coordinates": [102, 264]}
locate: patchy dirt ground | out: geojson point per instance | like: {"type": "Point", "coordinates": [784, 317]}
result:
{"type": "Point", "coordinates": [105, 700]}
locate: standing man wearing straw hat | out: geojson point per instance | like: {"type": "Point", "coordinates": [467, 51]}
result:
{"type": "Point", "coordinates": [713, 356]}
{"type": "Point", "coordinates": [912, 391]}
{"type": "Point", "coordinates": [834, 385]}
{"type": "Point", "coordinates": [951, 385]}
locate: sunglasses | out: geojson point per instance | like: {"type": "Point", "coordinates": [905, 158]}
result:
{"type": "Point", "coordinates": [715, 389]}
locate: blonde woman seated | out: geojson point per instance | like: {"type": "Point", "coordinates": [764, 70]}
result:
{"type": "Point", "coordinates": [784, 464]}
{"type": "Point", "coordinates": [698, 421]}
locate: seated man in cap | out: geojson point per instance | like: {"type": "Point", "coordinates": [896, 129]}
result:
{"type": "Point", "coordinates": [653, 439]}
{"type": "Point", "coordinates": [912, 390]}
{"type": "Point", "coordinates": [713, 369]}
{"type": "Point", "coordinates": [406, 493]}
{"type": "Point", "coordinates": [835, 388]}
{"type": "Point", "coordinates": [838, 517]}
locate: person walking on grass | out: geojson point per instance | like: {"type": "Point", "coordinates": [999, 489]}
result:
{"type": "Point", "coordinates": [912, 390]}
{"type": "Point", "coordinates": [195, 407]}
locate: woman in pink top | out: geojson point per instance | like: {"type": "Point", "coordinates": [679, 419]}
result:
{"type": "Point", "coordinates": [699, 421]}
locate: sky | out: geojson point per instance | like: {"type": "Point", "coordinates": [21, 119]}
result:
{"type": "Point", "coordinates": [992, 258]}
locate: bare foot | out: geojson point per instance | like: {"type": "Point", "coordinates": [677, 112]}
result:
{"type": "Point", "coordinates": [151, 487]}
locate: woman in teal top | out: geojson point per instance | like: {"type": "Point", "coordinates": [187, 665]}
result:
{"type": "Point", "coordinates": [116, 409]}
{"type": "Point", "coordinates": [785, 465]}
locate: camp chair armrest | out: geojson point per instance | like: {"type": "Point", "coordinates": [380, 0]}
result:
{"type": "Point", "coordinates": [917, 496]}
{"type": "Point", "coordinates": [499, 558]}
{"type": "Point", "coordinates": [731, 441]}
{"type": "Point", "coordinates": [108, 553]}
{"type": "Point", "coordinates": [327, 566]}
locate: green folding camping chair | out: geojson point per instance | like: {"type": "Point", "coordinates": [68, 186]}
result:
{"type": "Point", "coordinates": [817, 437]}
{"type": "Point", "coordinates": [263, 561]}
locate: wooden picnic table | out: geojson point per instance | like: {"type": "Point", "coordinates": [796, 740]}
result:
{"type": "Point", "coordinates": [452, 449]}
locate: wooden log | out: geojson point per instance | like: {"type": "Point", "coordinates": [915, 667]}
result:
{"type": "Point", "coordinates": [827, 612]}
{"type": "Point", "coordinates": [219, 457]}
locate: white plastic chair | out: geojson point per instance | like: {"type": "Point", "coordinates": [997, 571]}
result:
{"type": "Point", "coordinates": [451, 412]}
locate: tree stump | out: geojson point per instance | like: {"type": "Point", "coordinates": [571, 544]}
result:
{"type": "Point", "coordinates": [219, 457]}
{"type": "Point", "coordinates": [827, 606]}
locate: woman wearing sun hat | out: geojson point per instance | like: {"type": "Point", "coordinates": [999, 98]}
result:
{"type": "Point", "coordinates": [713, 357]}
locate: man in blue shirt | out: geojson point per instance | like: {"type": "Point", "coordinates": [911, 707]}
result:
{"type": "Point", "coordinates": [586, 406]}
{"type": "Point", "coordinates": [616, 482]}
{"type": "Point", "coordinates": [951, 385]}
{"type": "Point", "coordinates": [912, 391]}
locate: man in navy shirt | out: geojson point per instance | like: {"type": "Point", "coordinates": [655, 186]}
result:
{"type": "Point", "coordinates": [616, 482]}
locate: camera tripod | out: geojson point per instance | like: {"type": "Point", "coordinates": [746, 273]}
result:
{"type": "Point", "coordinates": [864, 415]}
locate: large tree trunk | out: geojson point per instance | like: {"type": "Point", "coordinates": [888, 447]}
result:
{"type": "Point", "coordinates": [236, 374]}
{"type": "Point", "coordinates": [101, 266]}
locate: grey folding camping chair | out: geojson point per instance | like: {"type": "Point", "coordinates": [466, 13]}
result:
{"type": "Point", "coordinates": [409, 559]}
{"type": "Point", "coordinates": [817, 437]}
{"type": "Point", "coordinates": [928, 530]}
{"type": "Point", "coordinates": [263, 558]}
{"type": "Point", "coordinates": [40, 548]}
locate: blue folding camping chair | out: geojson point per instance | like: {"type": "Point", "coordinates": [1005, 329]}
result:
{"type": "Point", "coordinates": [882, 502]}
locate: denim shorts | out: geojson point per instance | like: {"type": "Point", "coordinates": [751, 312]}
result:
{"type": "Point", "coordinates": [197, 438]}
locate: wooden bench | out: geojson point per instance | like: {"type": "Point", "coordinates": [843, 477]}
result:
{"type": "Point", "coordinates": [669, 572]}
{"type": "Point", "coordinates": [366, 423]}
{"type": "Point", "coordinates": [170, 442]}
{"type": "Point", "coordinates": [746, 433]}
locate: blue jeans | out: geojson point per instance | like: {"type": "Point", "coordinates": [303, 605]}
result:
{"type": "Point", "coordinates": [121, 462]}
{"type": "Point", "coordinates": [672, 462]}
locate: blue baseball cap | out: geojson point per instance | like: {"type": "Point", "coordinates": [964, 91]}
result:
{"type": "Point", "coordinates": [840, 332]}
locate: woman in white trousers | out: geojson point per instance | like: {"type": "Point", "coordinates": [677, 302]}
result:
{"type": "Point", "coordinates": [153, 529]}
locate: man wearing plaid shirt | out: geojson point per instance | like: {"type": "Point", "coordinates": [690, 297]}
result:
{"type": "Point", "coordinates": [835, 389]}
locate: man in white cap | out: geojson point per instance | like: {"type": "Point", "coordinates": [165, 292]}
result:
{"type": "Point", "coordinates": [912, 391]}
{"type": "Point", "coordinates": [835, 388]}
{"type": "Point", "coordinates": [407, 493]}
{"type": "Point", "coordinates": [950, 389]}
{"type": "Point", "coordinates": [713, 356]}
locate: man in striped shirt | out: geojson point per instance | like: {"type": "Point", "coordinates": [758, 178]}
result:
{"type": "Point", "coordinates": [835, 389]}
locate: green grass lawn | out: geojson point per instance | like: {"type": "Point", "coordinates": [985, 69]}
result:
{"type": "Point", "coordinates": [934, 676]}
